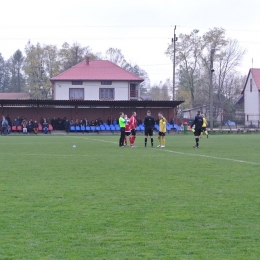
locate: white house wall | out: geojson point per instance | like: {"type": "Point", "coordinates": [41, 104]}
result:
{"type": "Point", "coordinates": [91, 89]}
{"type": "Point", "coordinates": [251, 102]}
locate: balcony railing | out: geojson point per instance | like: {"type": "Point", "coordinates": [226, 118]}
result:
{"type": "Point", "coordinates": [133, 93]}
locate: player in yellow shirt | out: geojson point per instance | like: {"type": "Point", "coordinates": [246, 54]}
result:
{"type": "Point", "coordinates": [162, 130]}
{"type": "Point", "coordinates": [204, 127]}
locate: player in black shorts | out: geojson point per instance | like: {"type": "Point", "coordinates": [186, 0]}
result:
{"type": "Point", "coordinates": [149, 125]}
{"type": "Point", "coordinates": [198, 122]}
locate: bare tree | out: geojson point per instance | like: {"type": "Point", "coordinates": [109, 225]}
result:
{"type": "Point", "coordinates": [188, 53]}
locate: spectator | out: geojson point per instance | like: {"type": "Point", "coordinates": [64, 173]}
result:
{"type": "Point", "coordinates": [92, 123]}
{"type": "Point", "coordinates": [96, 122]}
{"type": "Point", "coordinates": [19, 120]}
{"type": "Point", "coordinates": [72, 122]}
{"type": "Point", "coordinates": [109, 121]}
{"type": "Point", "coordinates": [100, 122]}
{"type": "Point", "coordinates": [172, 121]}
{"type": "Point", "coordinates": [4, 126]}
{"type": "Point", "coordinates": [67, 125]}
{"type": "Point", "coordinates": [8, 120]}
{"type": "Point", "coordinates": [15, 123]}
{"type": "Point", "coordinates": [30, 126]}
{"type": "Point", "coordinates": [24, 126]}
{"type": "Point", "coordinates": [77, 122]}
{"type": "Point", "coordinates": [61, 123]}
{"type": "Point", "coordinates": [35, 127]}
{"type": "Point", "coordinates": [85, 121]}
{"type": "Point", "coordinates": [54, 123]}
{"type": "Point", "coordinates": [45, 127]}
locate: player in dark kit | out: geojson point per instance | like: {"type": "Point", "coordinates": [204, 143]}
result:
{"type": "Point", "coordinates": [149, 125]}
{"type": "Point", "coordinates": [198, 122]}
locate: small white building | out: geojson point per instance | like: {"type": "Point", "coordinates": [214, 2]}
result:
{"type": "Point", "coordinates": [251, 93]}
{"type": "Point", "coordinates": [96, 80]}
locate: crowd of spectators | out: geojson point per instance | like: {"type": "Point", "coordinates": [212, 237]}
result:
{"type": "Point", "coordinates": [22, 124]}
{"type": "Point", "coordinates": [33, 127]}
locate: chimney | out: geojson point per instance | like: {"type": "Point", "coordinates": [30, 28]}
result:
{"type": "Point", "coordinates": [87, 60]}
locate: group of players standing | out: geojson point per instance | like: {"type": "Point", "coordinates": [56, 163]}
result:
{"type": "Point", "coordinates": [128, 129]}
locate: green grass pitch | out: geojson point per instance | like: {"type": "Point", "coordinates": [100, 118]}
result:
{"type": "Point", "coordinates": [99, 201]}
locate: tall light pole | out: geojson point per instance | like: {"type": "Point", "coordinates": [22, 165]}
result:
{"type": "Point", "coordinates": [174, 40]}
{"type": "Point", "coordinates": [212, 51]}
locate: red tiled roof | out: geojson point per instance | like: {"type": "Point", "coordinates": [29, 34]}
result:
{"type": "Point", "coordinates": [14, 95]}
{"type": "Point", "coordinates": [256, 77]}
{"type": "Point", "coordinates": [96, 70]}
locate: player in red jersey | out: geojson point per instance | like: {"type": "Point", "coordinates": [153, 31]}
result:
{"type": "Point", "coordinates": [133, 125]}
{"type": "Point", "coordinates": [127, 130]}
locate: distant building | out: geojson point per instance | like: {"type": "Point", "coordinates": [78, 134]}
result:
{"type": "Point", "coordinates": [14, 95]}
{"type": "Point", "coordinates": [192, 112]}
{"type": "Point", "coordinates": [96, 80]}
{"type": "Point", "coordinates": [251, 97]}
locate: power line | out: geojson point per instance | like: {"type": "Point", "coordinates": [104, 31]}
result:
{"type": "Point", "coordinates": [123, 26]}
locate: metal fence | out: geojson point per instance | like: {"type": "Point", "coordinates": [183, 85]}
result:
{"type": "Point", "coordinates": [229, 121]}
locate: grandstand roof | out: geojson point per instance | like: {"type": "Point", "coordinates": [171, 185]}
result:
{"type": "Point", "coordinates": [96, 70]}
{"type": "Point", "coordinates": [91, 103]}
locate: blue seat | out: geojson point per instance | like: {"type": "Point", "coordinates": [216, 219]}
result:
{"type": "Point", "coordinates": [87, 128]}
{"type": "Point", "coordinates": [92, 128]}
{"type": "Point", "coordinates": [72, 128]}
{"type": "Point", "coordinates": [102, 128]}
{"type": "Point", "coordinates": [117, 128]}
{"type": "Point", "coordinates": [112, 128]}
{"type": "Point", "coordinates": [98, 128]}
{"type": "Point", "coordinates": [176, 127]}
{"type": "Point", "coordinates": [156, 127]}
{"type": "Point", "coordinates": [83, 128]}
{"type": "Point", "coordinates": [141, 127]}
{"type": "Point", "coordinates": [77, 128]}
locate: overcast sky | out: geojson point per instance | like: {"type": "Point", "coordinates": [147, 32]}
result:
{"type": "Point", "coordinates": [142, 29]}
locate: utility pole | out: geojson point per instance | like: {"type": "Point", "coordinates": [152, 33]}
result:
{"type": "Point", "coordinates": [174, 40]}
{"type": "Point", "coordinates": [211, 89]}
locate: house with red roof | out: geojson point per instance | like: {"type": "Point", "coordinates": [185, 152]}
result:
{"type": "Point", "coordinates": [251, 94]}
{"type": "Point", "coordinates": [96, 80]}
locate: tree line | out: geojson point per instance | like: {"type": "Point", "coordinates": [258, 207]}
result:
{"type": "Point", "coordinates": [30, 71]}
{"type": "Point", "coordinates": [193, 59]}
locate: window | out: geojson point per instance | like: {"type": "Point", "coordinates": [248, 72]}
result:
{"type": "Point", "coordinates": [106, 82]}
{"type": "Point", "coordinates": [106, 93]}
{"type": "Point", "coordinates": [251, 85]}
{"type": "Point", "coordinates": [76, 93]}
{"type": "Point", "coordinates": [77, 82]}
{"type": "Point", "coordinates": [133, 91]}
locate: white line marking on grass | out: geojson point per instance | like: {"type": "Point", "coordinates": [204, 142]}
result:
{"type": "Point", "coordinates": [208, 156]}
{"type": "Point", "coordinates": [189, 154]}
